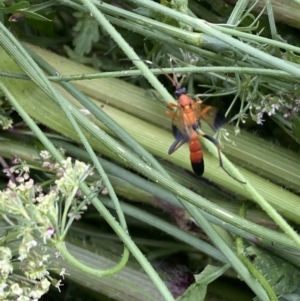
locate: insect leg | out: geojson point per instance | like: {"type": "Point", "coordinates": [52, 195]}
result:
{"type": "Point", "coordinates": [180, 139]}
{"type": "Point", "coordinates": [217, 144]}
{"type": "Point", "coordinates": [171, 105]}
{"type": "Point", "coordinates": [172, 114]}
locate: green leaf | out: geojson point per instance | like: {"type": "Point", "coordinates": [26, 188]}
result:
{"type": "Point", "coordinates": [290, 297]}
{"type": "Point", "coordinates": [29, 15]}
{"type": "Point", "coordinates": [281, 275]}
{"type": "Point", "coordinates": [21, 10]}
{"type": "Point", "coordinates": [16, 7]}
{"type": "Point", "coordinates": [197, 291]}
{"type": "Point", "coordinates": [211, 273]}
{"type": "Point", "coordinates": [88, 33]}
{"type": "Point", "coordinates": [35, 16]}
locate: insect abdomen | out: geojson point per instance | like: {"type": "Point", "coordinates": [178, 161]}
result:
{"type": "Point", "coordinates": [196, 155]}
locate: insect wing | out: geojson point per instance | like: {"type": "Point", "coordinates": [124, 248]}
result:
{"type": "Point", "coordinates": [179, 128]}
{"type": "Point", "coordinates": [210, 115]}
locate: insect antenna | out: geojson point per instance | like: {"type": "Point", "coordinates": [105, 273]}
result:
{"type": "Point", "coordinates": [173, 79]}
{"type": "Point", "coordinates": [217, 144]}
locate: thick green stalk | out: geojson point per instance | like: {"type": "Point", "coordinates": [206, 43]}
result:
{"type": "Point", "coordinates": [132, 98]}
{"type": "Point", "coordinates": [163, 142]}
{"type": "Point", "coordinates": [156, 177]}
{"type": "Point", "coordinates": [266, 158]}
{"type": "Point", "coordinates": [261, 234]}
{"type": "Point", "coordinates": [101, 115]}
{"type": "Point", "coordinates": [191, 69]}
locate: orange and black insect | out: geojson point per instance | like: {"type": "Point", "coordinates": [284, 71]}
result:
{"type": "Point", "coordinates": [186, 126]}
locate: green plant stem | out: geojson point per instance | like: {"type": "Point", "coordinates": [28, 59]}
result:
{"type": "Point", "coordinates": [61, 247]}
{"type": "Point", "coordinates": [218, 32]}
{"type": "Point", "coordinates": [193, 22]}
{"type": "Point", "coordinates": [183, 70]}
{"type": "Point", "coordinates": [130, 281]}
{"type": "Point", "coordinates": [272, 23]}
{"type": "Point", "coordinates": [101, 115]}
{"type": "Point", "coordinates": [262, 235]}
{"type": "Point", "coordinates": [68, 204]}
{"type": "Point", "coordinates": [237, 12]}
{"type": "Point", "coordinates": [197, 201]}
{"type": "Point", "coordinates": [172, 230]}
{"type": "Point", "coordinates": [127, 50]}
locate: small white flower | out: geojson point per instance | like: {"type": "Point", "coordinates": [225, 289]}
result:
{"type": "Point", "coordinates": [58, 285]}
{"type": "Point", "coordinates": [16, 289]}
{"type": "Point", "coordinates": [63, 273]}
{"type": "Point", "coordinates": [45, 155]}
{"type": "Point", "coordinates": [5, 253]}
{"type": "Point", "coordinates": [6, 268]}
{"type": "Point", "coordinates": [30, 244]}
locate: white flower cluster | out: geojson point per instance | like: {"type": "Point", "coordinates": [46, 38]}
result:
{"type": "Point", "coordinates": [32, 218]}
{"type": "Point", "coordinates": [13, 286]}
{"type": "Point", "coordinates": [286, 105]}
